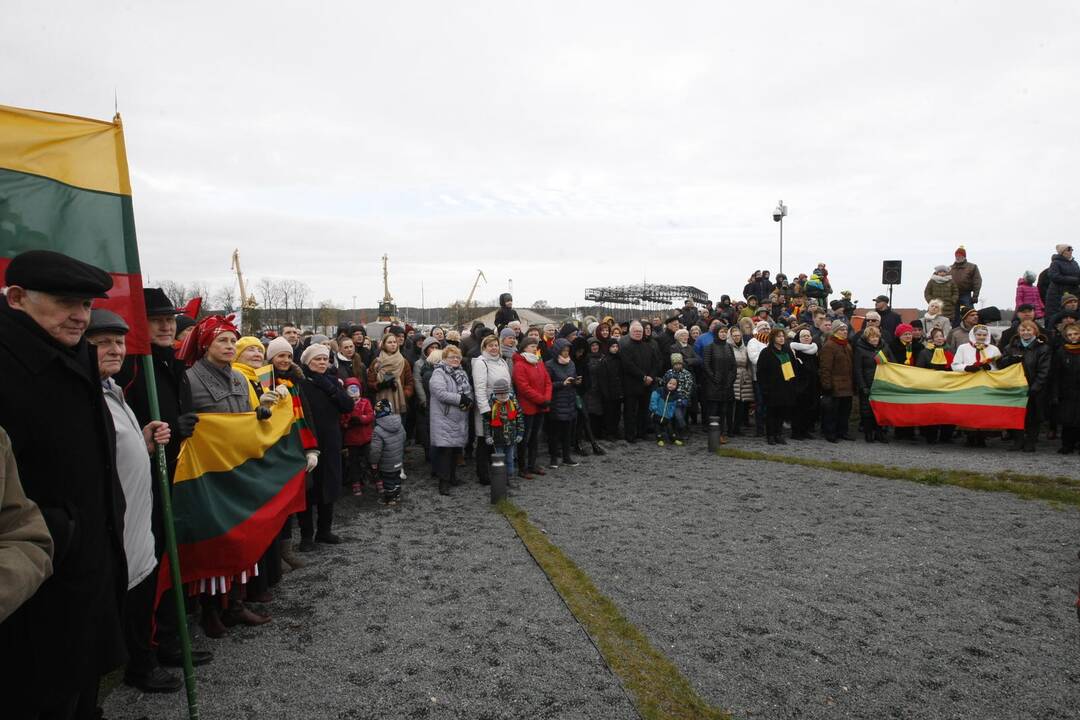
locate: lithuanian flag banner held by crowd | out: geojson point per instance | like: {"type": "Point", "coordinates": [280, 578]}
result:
{"type": "Point", "coordinates": [64, 186]}
{"type": "Point", "coordinates": [237, 479]}
{"type": "Point", "coordinates": [904, 396]}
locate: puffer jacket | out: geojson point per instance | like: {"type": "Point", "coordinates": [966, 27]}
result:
{"type": "Point", "coordinates": [662, 403]}
{"type": "Point", "coordinates": [946, 292]}
{"type": "Point", "coordinates": [1036, 359]}
{"type": "Point", "coordinates": [594, 399]}
{"type": "Point", "coordinates": [1028, 293]}
{"type": "Point", "coordinates": [608, 378]}
{"type": "Point", "coordinates": [720, 372]}
{"type": "Point", "coordinates": [358, 424]}
{"type": "Point", "coordinates": [387, 448]}
{"type": "Point", "coordinates": [1064, 277]}
{"type": "Point", "coordinates": [563, 397]}
{"type": "Point", "coordinates": [533, 385]}
{"type": "Point", "coordinates": [866, 361]}
{"type": "Point", "coordinates": [449, 423]}
{"type": "Point", "coordinates": [485, 371]}
{"type": "Point", "coordinates": [835, 369]}
{"type": "Point", "coordinates": [743, 389]}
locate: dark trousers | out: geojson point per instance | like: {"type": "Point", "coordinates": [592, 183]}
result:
{"type": "Point", "coordinates": [938, 433]}
{"type": "Point", "coordinates": [308, 528]}
{"type": "Point", "coordinates": [802, 417]}
{"type": "Point", "coordinates": [443, 463]}
{"type": "Point", "coordinates": [612, 410]}
{"type": "Point", "coordinates": [1070, 435]}
{"type": "Point", "coordinates": [774, 421]}
{"type": "Point", "coordinates": [760, 411]}
{"type": "Point", "coordinates": [558, 434]}
{"type": "Point", "coordinates": [529, 447]}
{"type": "Point", "coordinates": [356, 464]}
{"type": "Point", "coordinates": [740, 411]}
{"type": "Point", "coordinates": [138, 611]}
{"type": "Point", "coordinates": [81, 705]}
{"type": "Point", "coordinates": [1032, 419]}
{"type": "Point", "coordinates": [835, 414]}
{"type": "Point", "coordinates": [635, 416]}
{"type": "Point", "coordinates": [483, 460]}
{"type": "Point", "coordinates": [866, 414]}
{"type": "Point", "coordinates": [721, 409]}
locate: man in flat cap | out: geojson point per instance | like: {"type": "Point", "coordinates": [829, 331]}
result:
{"type": "Point", "coordinates": [135, 443]}
{"type": "Point", "coordinates": [55, 648]}
{"type": "Point", "coordinates": [168, 379]}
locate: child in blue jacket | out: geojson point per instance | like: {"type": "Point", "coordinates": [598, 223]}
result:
{"type": "Point", "coordinates": [662, 409]}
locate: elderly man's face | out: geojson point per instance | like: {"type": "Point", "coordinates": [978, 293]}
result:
{"type": "Point", "coordinates": [636, 331]}
{"type": "Point", "coordinates": [63, 318]}
{"type": "Point", "coordinates": [111, 349]}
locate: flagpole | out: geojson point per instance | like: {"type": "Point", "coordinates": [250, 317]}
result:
{"type": "Point", "coordinates": [162, 472]}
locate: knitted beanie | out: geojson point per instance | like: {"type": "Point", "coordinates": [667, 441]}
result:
{"type": "Point", "coordinates": [277, 346]}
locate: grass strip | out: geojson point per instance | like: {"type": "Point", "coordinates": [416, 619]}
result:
{"type": "Point", "coordinates": [1030, 487]}
{"type": "Point", "coordinates": [658, 688]}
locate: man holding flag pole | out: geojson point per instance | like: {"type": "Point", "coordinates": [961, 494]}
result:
{"type": "Point", "coordinates": [68, 238]}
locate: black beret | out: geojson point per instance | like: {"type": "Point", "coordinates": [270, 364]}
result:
{"type": "Point", "coordinates": [183, 322]}
{"type": "Point", "coordinates": [158, 303]}
{"type": "Point", "coordinates": [102, 320]}
{"type": "Point", "coordinates": [57, 274]}
{"type": "Point", "coordinates": [673, 318]}
{"type": "Point", "coordinates": [397, 330]}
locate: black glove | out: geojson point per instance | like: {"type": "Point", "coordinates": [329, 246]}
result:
{"type": "Point", "coordinates": [185, 424]}
{"type": "Point", "coordinates": [392, 383]}
{"type": "Point", "coordinates": [465, 403]}
{"type": "Point", "coordinates": [986, 367]}
{"type": "Point", "coordinates": [971, 368]}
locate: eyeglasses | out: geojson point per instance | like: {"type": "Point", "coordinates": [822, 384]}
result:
{"type": "Point", "coordinates": [872, 320]}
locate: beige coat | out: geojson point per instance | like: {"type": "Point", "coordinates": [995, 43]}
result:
{"type": "Point", "coordinates": [25, 545]}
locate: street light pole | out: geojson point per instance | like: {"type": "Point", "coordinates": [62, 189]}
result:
{"type": "Point", "coordinates": [778, 215]}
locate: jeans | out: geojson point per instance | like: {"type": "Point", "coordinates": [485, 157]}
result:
{"type": "Point", "coordinates": [509, 452]}
{"type": "Point", "coordinates": [759, 409]}
{"type": "Point", "coordinates": [443, 464]}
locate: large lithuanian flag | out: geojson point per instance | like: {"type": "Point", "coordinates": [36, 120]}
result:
{"type": "Point", "coordinates": [904, 396]}
{"type": "Point", "coordinates": [64, 186]}
{"type": "Point", "coordinates": [237, 479]}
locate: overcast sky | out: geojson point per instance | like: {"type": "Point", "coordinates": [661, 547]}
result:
{"type": "Point", "coordinates": [572, 144]}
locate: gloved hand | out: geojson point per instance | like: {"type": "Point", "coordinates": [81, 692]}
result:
{"type": "Point", "coordinates": [312, 459]}
{"type": "Point", "coordinates": [971, 368]}
{"type": "Point", "coordinates": [466, 402]}
{"type": "Point", "coordinates": [185, 424]}
{"type": "Point", "coordinates": [489, 441]}
{"type": "Point", "coordinates": [269, 398]}
{"type": "Point", "coordinates": [986, 367]}
{"type": "Point", "coordinates": [282, 390]}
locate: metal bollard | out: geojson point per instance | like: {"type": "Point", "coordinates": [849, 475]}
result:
{"type": "Point", "coordinates": [714, 433]}
{"type": "Point", "coordinates": [498, 477]}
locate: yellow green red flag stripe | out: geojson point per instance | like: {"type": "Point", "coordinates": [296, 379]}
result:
{"type": "Point", "coordinates": [904, 396]}
{"type": "Point", "coordinates": [64, 186]}
{"type": "Point", "coordinates": [237, 479]}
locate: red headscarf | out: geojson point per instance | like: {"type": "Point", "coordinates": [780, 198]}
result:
{"type": "Point", "coordinates": [200, 337]}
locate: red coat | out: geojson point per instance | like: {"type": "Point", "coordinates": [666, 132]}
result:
{"type": "Point", "coordinates": [533, 385]}
{"type": "Point", "coordinates": [358, 424]}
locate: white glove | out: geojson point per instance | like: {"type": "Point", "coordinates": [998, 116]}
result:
{"type": "Point", "coordinates": [269, 398]}
{"type": "Point", "coordinates": [312, 460]}
{"type": "Point", "coordinates": [282, 391]}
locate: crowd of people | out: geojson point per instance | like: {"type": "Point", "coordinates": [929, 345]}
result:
{"type": "Point", "coordinates": [81, 528]}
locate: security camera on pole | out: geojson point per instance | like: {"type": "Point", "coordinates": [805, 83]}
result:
{"type": "Point", "coordinates": [778, 215]}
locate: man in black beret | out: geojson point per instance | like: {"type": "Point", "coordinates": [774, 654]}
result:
{"type": "Point", "coordinates": [168, 380]}
{"type": "Point", "coordinates": [665, 339]}
{"type": "Point", "coordinates": [55, 648]}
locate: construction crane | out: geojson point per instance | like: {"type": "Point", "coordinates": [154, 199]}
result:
{"type": "Point", "coordinates": [479, 277]}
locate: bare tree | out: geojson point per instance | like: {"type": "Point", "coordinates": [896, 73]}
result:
{"type": "Point", "coordinates": [177, 292]}
{"type": "Point", "coordinates": [225, 298]}
{"type": "Point", "coordinates": [269, 295]}
{"type": "Point", "coordinates": [328, 316]}
{"type": "Point", "coordinates": [540, 305]}
{"type": "Point", "coordinates": [300, 293]}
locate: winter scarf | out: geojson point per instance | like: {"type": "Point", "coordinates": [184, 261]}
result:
{"type": "Point", "coordinates": [506, 426]}
{"type": "Point", "coordinates": [395, 364]}
{"type": "Point", "coordinates": [941, 279]}
{"type": "Point", "coordinates": [1072, 348]}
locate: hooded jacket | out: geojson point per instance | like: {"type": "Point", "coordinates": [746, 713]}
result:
{"type": "Point", "coordinates": [563, 396]}
{"type": "Point", "coordinates": [835, 369]}
{"type": "Point", "coordinates": [358, 423]}
{"type": "Point", "coordinates": [866, 361]}
{"type": "Point", "coordinates": [387, 449]}
{"type": "Point", "coordinates": [942, 288]}
{"type": "Point", "coordinates": [1028, 293]}
{"type": "Point", "coordinates": [505, 315]}
{"type": "Point", "coordinates": [533, 385]}
{"type": "Point", "coordinates": [966, 354]}
{"type": "Point", "coordinates": [720, 371]}
{"type": "Point", "coordinates": [1064, 277]}
{"type": "Point", "coordinates": [1036, 359]}
{"type": "Point", "coordinates": [967, 277]}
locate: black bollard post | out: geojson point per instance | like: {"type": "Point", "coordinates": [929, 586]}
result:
{"type": "Point", "coordinates": [498, 477]}
{"type": "Point", "coordinates": [714, 433]}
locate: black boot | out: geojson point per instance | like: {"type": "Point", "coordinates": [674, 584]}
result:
{"type": "Point", "coordinates": [880, 436]}
{"type": "Point", "coordinates": [444, 486]}
{"type": "Point", "coordinates": [597, 450]}
{"type": "Point", "coordinates": [868, 436]}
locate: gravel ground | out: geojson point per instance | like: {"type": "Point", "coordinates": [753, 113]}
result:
{"type": "Point", "coordinates": [432, 609]}
{"type": "Point", "coordinates": [916, 453]}
{"type": "Point", "coordinates": [785, 592]}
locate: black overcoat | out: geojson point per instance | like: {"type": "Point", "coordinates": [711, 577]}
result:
{"type": "Point", "coordinates": [53, 408]}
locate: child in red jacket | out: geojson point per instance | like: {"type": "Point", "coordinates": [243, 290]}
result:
{"type": "Point", "coordinates": [357, 427]}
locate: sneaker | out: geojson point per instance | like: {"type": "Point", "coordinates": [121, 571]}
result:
{"type": "Point", "coordinates": [571, 463]}
{"type": "Point", "coordinates": [680, 443]}
{"type": "Point", "coordinates": [554, 465]}
{"type": "Point", "coordinates": [660, 443]}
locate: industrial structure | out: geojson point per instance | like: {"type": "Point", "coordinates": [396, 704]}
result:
{"type": "Point", "coordinates": [623, 299]}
